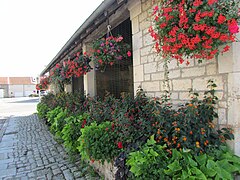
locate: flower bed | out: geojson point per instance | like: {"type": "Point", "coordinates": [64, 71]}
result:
{"type": "Point", "coordinates": [117, 131]}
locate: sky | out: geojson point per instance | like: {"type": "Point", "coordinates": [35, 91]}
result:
{"type": "Point", "coordinates": [32, 32]}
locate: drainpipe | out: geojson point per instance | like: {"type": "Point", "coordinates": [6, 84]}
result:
{"type": "Point", "coordinates": [8, 86]}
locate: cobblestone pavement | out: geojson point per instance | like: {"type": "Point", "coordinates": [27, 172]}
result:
{"type": "Point", "coordinates": [28, 151]}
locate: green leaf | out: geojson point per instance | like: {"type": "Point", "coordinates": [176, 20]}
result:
{"type": "Point", "coordinates": [184, 175]}
{"type": "Point", "coordinates": [136, 170]}
{"type": "Point", "coordinates": [202, 159]}
{"type": "Point", "coordinates": [199, 174]}
{"type": "Point", "coordinates": [211, 164]}
{"type": "Point", "coordinates": [176, 154]}
{"type": "Point", "coordinates": [207, 171]}
{"type": "Point", "coordinates": [175, 166]}
{"type": "Point", "coordinates": [227, 166]}
{"type": "Point", "coordinates": [222, 173]}
{"type": "Point", "coordinates": [154, 153]}
{"type": "Point", "coordinates": [151, 141]}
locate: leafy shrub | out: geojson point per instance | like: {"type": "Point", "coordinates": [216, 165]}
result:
{"type": "Point", "coordinates": [49, 100]}
{"type": "Point", "coordinates": [42, 109]}
{"type": "Point", "coordinates": [152, 162]}
{"type": "Point", "coordinates": [72, 131]}
{"type": "Point", "coordinates": [222, 164]}
{"type": "Point", "coordinates": [100, 110]}
{"type": "Point", "coordinates": [99, 142]}
{"type": "Point", "coordinates": [56, 119]}
{"type": "Point", "coordinates": [149, 162]}
{"type": "Point", "coordinates": [59, 123]}
{"type": "Point", "coordinates": [133, 117]}
{"type": "Point", "coordinates": [52, 114]}
{"type": "Point", "coordinates": [191, 126]}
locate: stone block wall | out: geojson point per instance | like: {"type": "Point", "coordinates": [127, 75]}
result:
{"type": "Point", "coordinates": [149, 72]}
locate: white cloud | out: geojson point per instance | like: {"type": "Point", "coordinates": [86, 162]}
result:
{"type": "Point", "coordinates": [32, 32]}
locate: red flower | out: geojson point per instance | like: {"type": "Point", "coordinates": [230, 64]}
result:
{"type": "Point", "coordinates": [197, 3]}
{"type": "Point", "coordinates": [155, 9]}
{"type": "Point", "coordinates": [197, 17]}
{"type": "Point", "coordinates": [84, 123]}
{"type": "Point", "coordinates": [129, 53]}
{"type": "Point", "coordinates": [57, 65]}
{"type": "Point", "coordinates": [225, 49]}
{"type": "Point", "coordinates": [100, 61]}
{"type": "Point", "coordinates": [221, 19]}
{"type": "Point", "coordinates": [233, 26]}
{"type": "Point", "coordinates": [211, 2]}
{"type": "Point", "coordinates": [120, 146]}
{"type": "Point", "coordinates": [163, 25]}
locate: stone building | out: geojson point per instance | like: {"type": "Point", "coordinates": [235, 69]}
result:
{"type": "Point", "coordinates": [131, 19]}
{"type": "Point", "coordinates": [17, 86]}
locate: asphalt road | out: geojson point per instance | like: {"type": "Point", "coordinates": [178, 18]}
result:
{"type": "Point", "coordinates": [22, 106]}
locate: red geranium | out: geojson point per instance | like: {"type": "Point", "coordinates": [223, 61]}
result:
{"type": "Point", "coordinates": [44, 83]}
{"type": "Point", "coordinates": [194, 28]}
{"type": "Point", "coordinates": [120, 145]}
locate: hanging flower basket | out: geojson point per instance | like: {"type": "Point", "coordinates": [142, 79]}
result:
{"type": "Point", "coordinates": [194, 28]}
{"type": "Point", "coordinates": [79, 66]}
{"type": "Point", "coordinates": [111, 50]}
{"type": "Point", "coordinates": [44, 83]}
{"type": "Point", "coordinates": [58, 74]}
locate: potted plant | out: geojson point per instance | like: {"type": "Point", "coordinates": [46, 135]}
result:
{"type": "Point", "coordinates": [110, 50]}
{"type": "Point", "coordinates": [194, 28]}
{"type": "Point", "coordinates": [44, 82]}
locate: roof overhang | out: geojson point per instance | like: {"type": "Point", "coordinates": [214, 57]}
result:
{"type": "Point", "coordinates": [93, 21]}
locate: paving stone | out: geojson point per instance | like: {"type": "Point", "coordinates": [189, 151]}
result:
{"type": "Point", "coordinates": [29, 151]}
{"type": "Point", "coordinates": [7, 172]}
{"type": "Point", "coordinates": [56, 171]}
{"type": "Point", "coordinates": [68, 175]}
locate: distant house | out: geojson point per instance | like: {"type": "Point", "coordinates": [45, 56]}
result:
{"type": "Point", "coordinates": [17, 86]}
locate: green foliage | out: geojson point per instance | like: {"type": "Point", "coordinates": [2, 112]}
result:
{"type": "Point", "coordinates": [149, 162]}
{"type": "Point", "coordinates": [222, 164]}
{"type": "Point", "coordinates": [100, 110]}
{"type": "Point", "coordinates": [134, 117]}
{"type": "Point", "coordinates": [152, 162]}
{"type": "Point", "coordinates": [52, 114]}
{"type": "Point", "coordinates": [72, 131]}
{"type": "Point", "coordinates": [98, 142]}
{"type": "Point", "coordinates": [184, 137]}
{"type": "Point", "coordinates": [56, 118]}
{"type": "Point", "coordinates": [192, 126]}
{"type": "Point", "coordinates": [42, 109]}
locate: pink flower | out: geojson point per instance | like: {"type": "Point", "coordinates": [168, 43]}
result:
{"type": "Point", "coordinates": [233, 26]}
{"type": "Point", "coordinates": [100, 61]}
{"type": "Point", "coordinates": [129, 53]}
{"type": "Point", "coordinates": [119, 39]}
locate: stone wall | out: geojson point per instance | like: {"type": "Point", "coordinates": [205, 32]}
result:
{"type": "Point", "coordinates": [149, 72]}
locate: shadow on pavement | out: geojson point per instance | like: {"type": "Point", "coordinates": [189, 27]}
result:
{"type": "Point", "coordinates": [26, 101]}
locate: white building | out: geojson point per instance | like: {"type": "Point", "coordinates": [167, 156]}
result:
{"type": "Point", "coordinates": [17, 86]}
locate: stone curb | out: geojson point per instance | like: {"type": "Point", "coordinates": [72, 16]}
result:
{"type": "Point", "coordinates": [4, 128]}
